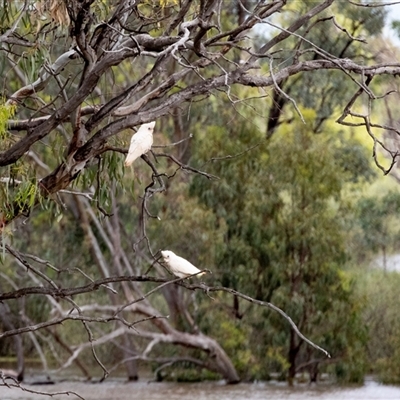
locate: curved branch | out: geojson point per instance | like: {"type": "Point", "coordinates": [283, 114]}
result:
{"type": "Point", "coordinates": [264, 304]}
{"type": "Point", "coordinates": [64, 292]}
{"type": "Point", "coordinates": [96, 284]}
{"type": "Point", "coordinates": [44, 78]}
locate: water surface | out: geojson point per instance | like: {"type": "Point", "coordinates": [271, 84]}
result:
{"type": "Point", "coordinates": [120, 390]}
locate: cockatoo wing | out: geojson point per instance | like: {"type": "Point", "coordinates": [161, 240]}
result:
{"type": "Point", "coordinates": [178, 265]}
{"type": "Point", "coordinates": [141, 143]}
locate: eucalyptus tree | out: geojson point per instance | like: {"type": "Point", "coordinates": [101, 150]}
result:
{"type": "Point", "coordinates": [79, 76]}
{"type": "Point", "coordinates": [285, 242]}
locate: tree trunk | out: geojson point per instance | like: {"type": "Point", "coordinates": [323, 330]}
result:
{"type": "Point", "coordinates": [19, 348]}
{"type": "Point", "coordinates": [130, 364]}
{"type": "Point", "coordinates": [384, 258]}
{"type": "Point", "coordinates": [314, 370]}
{"type": "Point", "coordinates": [85, 370]}
{"type": "Point", "coordinates": [218, 360]}
{"type": "Point", "coordinates": [293, 352]}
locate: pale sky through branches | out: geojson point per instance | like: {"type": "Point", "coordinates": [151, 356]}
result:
{"type": "Point", "coordinates": [393, 14]}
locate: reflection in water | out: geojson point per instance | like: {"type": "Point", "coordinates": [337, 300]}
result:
{"type": "Point", "coordinates": [119, 390]}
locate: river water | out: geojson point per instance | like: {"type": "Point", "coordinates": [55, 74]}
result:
{"type": "Point", "coordinates": [120, 390]}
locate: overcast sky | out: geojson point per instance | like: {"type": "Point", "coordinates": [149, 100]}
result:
{"type": "Point", "coordinates": [393, 14]}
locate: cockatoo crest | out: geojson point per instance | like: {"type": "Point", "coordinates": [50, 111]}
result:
{"type": "Point", "coordinates": [140, 143]}
{"type": "Point", "coordinates": [178, 265]}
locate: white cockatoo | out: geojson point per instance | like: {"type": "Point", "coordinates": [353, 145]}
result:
{"type": "Point", "coordinates": [179, 266]}
{"type": "Point", "coordinates": [140, 143]}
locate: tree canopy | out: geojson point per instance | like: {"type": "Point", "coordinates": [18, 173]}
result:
{"type": "Point", "coordinates": [80, 74]}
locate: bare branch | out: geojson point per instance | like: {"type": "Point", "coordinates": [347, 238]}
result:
{"type": "Point", "coordinates": [14, 384]}
{"type": "Point", "coordinates": [98, 283]}
{"type": "Point", "coordinates": [264, 304]}
{"type": "Point", "coordinates": [44, 78]}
